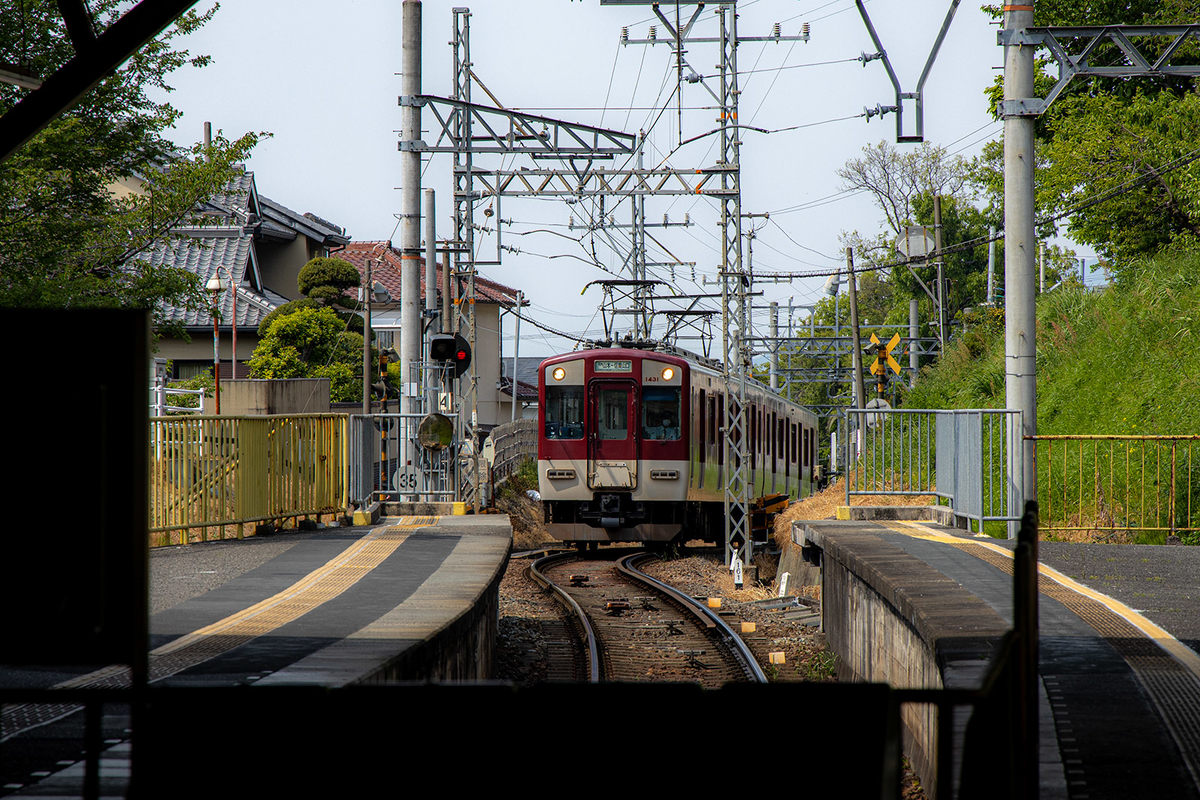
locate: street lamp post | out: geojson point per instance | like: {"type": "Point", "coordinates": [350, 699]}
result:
{"type": "Point", "coordinates": [214, 287]}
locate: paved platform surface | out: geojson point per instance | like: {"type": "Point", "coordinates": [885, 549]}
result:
{"type": "Point", "coordinates": [1119, 630]}
{"type": "Point", "coordinates": [324, 608]}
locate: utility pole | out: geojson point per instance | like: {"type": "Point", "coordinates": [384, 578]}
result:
{"type": "Point", "coordinates": [991, 273]}
{"type": "Point", "coordinates": [431, 292]}
{"type": "Point", "coordinates": [516, 354]}
{"type": "Point", "coordinates": [1020, 373]}
{"type": "Point", "coordinates": [735, 351]}
{"type": "Point", "coordinates": [366, 358]}
{"type": "Point", "coordinates": [410, 211]}
{"type": "Point", "coordinates": [774, 360]}
{"type": "Point", "coordinates": [941, 269]}
{"type": "Point", "coordinates": [913, 334]}
{"type": "Point", "coordinates": [860, 399]}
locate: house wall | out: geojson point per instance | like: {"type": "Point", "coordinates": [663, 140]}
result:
{"type": "Point", "coordinates": [200, 348]}
{"type": "Point", "coordinates": [279, 264]}
{"type": "Point", "coordinates": [487, 356]}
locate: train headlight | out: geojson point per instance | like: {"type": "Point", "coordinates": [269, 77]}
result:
{"type": "Point", "coordinates": [559, 373]}
{"type": "Point", "coordinates": [668, 373]}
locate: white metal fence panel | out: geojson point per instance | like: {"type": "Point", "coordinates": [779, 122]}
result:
{"type": "Point", "coordinates": [387, 461]}
{"type": "Point", "coordinates": [970, 457]}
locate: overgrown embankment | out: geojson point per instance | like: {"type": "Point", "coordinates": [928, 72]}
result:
{"type": "Point", "coordinates": [1114, 361]}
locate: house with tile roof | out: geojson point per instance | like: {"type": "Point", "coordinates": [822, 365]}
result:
{"type": "Point", "coordinates": [257, 246]}
{"type": "Point", "coordinates": [491, 298]}
{"type": "Point", "coordinates": [526, 383]}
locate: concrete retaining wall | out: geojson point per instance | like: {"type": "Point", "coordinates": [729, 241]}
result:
{"type": "Point", "coordinates": [891, 618]}
{"type": "Point", "coordinates": [449, 627]}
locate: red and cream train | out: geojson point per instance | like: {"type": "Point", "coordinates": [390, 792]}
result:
{"type": "Point", "coordinates": [630, 446]}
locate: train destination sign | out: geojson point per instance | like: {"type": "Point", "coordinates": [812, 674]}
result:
{"type": "Point", "coordinates": [614, 366]}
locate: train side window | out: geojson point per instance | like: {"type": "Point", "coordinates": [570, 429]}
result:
{"type": "Point", "coordinates": [754, 439]}
{"type": "Point", "coordinates": [702, 427]}
{"type": "Point", "coordinates": [721, 424]}
{"type": "Point", "coordinates": [660, 412]}
{"type": "Point", "coordinates": [564, 412]}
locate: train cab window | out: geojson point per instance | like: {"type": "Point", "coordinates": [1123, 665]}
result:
{"type": "Point", "coordinates": [614, 414]}
{"type": "Point", "coordinates": [661, 412]}
{"type": "Point", "coordinates": [564, 412]}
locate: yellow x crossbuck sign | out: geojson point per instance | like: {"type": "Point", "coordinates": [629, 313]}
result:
{"type": "Point", "coordinates": [877, 367]}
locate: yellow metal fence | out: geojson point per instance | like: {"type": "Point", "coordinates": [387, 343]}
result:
{"type": "Point", "coordinates": [1122, 488]}
{"type": "Point", "coordinates": [210, 476]}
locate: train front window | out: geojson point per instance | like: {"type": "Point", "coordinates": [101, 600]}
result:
{"type": "Point", "coordinates": [564, 412]}
{"type": "Point", "coordinates": [660, 412]}
{"type": "Point", "coordinates": [614, 414]}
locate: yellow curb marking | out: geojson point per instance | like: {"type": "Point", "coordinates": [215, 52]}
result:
{"type": "Point", "coordinates": [1182, 653]}
{"type": "Point", "coordinates": [319, 586]}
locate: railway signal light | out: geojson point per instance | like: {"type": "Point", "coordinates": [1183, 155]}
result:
{"type": "Point", "coordinates": [452, 348]}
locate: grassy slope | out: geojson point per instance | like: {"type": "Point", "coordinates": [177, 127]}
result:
{"type": "Point", "coordinates": [1119, 361]}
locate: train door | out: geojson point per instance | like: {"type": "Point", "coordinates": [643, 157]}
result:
{"type": "Point", "coordinates": [612, 445]}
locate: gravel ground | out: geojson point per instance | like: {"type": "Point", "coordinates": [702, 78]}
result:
{"type": "Point", "coordinates": [524, 608]}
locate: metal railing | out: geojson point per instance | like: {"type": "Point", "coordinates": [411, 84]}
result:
{"type": "Point", "coordinates": [971, 458]}
{"type": "Point", "coordinates": [160, 405]}
{"type": "Point", "coordinates": [388, 462]}
{"type": "Point", "coordinates": [220, 472]}
{"type": "Point", "coordinates": [513, 443]}
{"type": "Point", "coordinates": [1119, 487]}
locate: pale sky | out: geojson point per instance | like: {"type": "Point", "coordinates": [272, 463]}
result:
{"type": "Point", "coordinates": [323, 78]}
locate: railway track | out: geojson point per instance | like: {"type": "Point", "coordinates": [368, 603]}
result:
{"type": "Point", "coordinates": [629, 627]}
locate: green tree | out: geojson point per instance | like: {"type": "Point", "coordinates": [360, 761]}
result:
{"type": "Point", "coordinates": [896, 178]}
{"type": "Point", "coordinates": [903, 184]}
{"type": "Point", "coordinates": [323, 282]}
{"type": "Point", "coordinates": [312, 343]}
{"type": "Point", "coordinates": [1114, 157]}
{"type": "Point", "coordinates": [326, 280]}
{"type": "Point", "coordinates": [68, 237]}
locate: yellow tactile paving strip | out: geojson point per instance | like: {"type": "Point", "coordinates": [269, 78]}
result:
{"type": "Point", "coordinates": [1067, 591]}
{"type": "Point", "coordinates": [1170, 672]}
{"type": "Point", "coordinates": [319, 586]}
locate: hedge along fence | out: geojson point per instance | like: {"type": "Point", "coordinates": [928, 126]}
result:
{"type": "Point", "coordinates": [1141, 488]}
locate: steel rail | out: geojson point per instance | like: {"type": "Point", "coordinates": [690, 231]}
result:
{"type": "Point", "coordinates": [711, 621]}
{"type": "Point", "coordinates": [589, 633]}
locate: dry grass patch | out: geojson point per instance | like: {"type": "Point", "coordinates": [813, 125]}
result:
{"type": "Point", "coordinates": [824, 505]}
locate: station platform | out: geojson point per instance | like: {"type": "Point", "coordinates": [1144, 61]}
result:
{"type": "Point", "coordinates": [916, 604]}
{"type": "Point", "coordinates": [410, 600]}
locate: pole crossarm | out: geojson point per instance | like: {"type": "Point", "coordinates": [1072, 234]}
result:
{"type": "Point", "coordinates": [599, 181]}
{"type": "Point", "coordinates": [500, 131]}
{"type": "Point", "coordinates": [1094, 40]}
{"type": "Point", "coordinates": [917, 96]}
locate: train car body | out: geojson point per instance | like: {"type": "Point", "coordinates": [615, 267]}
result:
{"type": "Point", "coordinates": [631, 446]}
